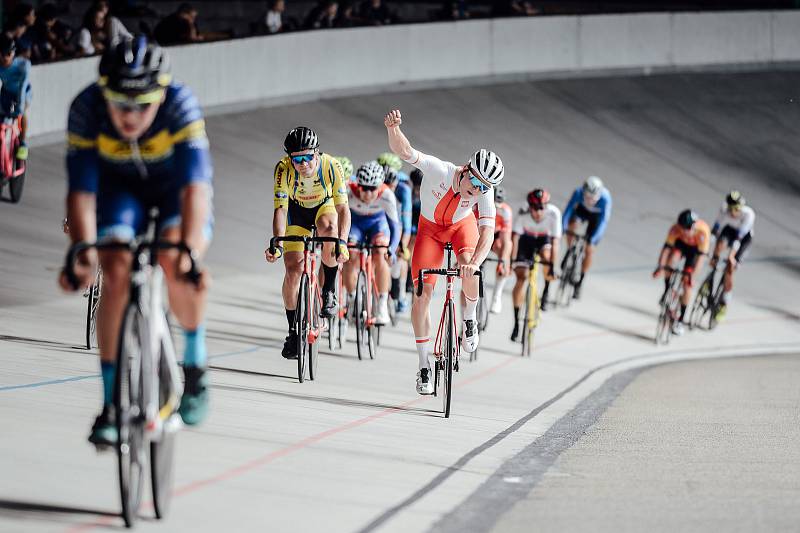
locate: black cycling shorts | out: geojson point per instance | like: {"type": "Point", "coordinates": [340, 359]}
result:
{"type": "Point", "coordinates": [592, 219]}
{"type": "Point", "coordinates": [528, 247]}
{"type": "Point", "coordinates": [689, 252]}
{"type": "Point", "coordinates": [731, 234]}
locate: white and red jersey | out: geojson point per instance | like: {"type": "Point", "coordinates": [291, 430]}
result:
{"type": "Point", "coordinates": [384, 203]}
{"type": "Point", "coordinates": [549, 226]}
{"type": "Point", "coordinates": [442, 205]}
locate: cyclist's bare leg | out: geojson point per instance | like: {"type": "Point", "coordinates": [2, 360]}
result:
{"type": "Point", "coordinates": [572, 227]}
{"type": "Point", "coordinates": [186, 301]}
{"type": "Point", "coordinates": [587, 258]}
{"type": "Point", "coordinates": [469, 288]}
{"type": "Point", "coordinates": [327, 226]}
{"type": "Point", "coordinates": [382, 271]}
{"type": "Point", "coordinates": [421, 322]}
{"type": "Point", "coordinates": [350, 271]}
{"type": "Point", "coordinates": [293, 262]}
{"type": "Point", "coordinates": [518, 294]}
{"type": "Point", "coordinates": [116, 283]}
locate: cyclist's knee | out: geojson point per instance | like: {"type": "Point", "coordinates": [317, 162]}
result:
{"type": "Point", "coordinates": [326, 225]}
{"type": "Point", "coordinates": [116, 274]}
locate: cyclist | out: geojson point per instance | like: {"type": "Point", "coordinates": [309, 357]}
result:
{"type": "Point", "coordinates": [137, 140]}
{"type": "Point", "coordinates": [734, 229]}
{"type": "Point", "coordinates": [310, 190]}
{"type": "Point", "coordinates": [501, 247]}
{"type": "Point", "coordinates": [537, 230]}
{"type": "Point", "coordinates": [347, 168]}
{"type": "Point", "coordinates": [15, 95]}
{"type": "Point", "coordinates": [402, 192]}
{"type": "Point", "coordinates": [589, 203]}
{"type": "Point", "coordinates": [448, 193]}
{"type": "Point", "coordinates": [375, 220]}
{"type": "Point", "coordinates": [690, 238]}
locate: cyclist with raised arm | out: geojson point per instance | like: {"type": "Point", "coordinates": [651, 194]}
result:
{"type": "Point", "coordinates": [398, 181]}
{"type": "Point", "coordinates": [448, 193]}
{"type": "Point", "coordinates": [537, 231]}
{"type": "Point", "coordinates": [15, 95]}
{"type": "Point", "coordinates": [373, 211]}
{"type": "Point", "coordinates": [501, 246]}
{"type": "Point", "coordinates": [590, 203]}
{"type": "Point", "coordinates": [689, 238]}
{"type": "Point", "coordinates": [733, 229]}
{"type": "Point", "coordinates": [309, 190]}
{"type": "Point", "coordinates": [137, 140]}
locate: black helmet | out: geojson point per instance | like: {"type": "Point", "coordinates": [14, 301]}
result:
{"type": "Point", "coordinates": [734, 199]}
{"type": "Point", "coordinates": [134, 66]}
{"type": "Point", "coordinates": [299, 139]}
{"type": "Point", "coordinates": [416, 177]}
{"type": "Point", "coordinates": [687, 218]}
{"type": "Point", "coordinates": [7, 44]}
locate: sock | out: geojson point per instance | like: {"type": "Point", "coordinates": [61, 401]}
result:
{"type": "Point", "coordinates": [580, 279]}
{"type": "Point", "coordinates": [423, 343]}
{"type": "Point", "coordinates": [683, 312]}
{"type": "Point", "coordinates": [108, 371]}
{"type": "Point", "coordinates": [516, 314]}
{"type": "Point", "coordinates": [666, 284]}
{"type": "Point", "coordinates": [499, 285]}
{"type": "Point", "coordinates": [330, 278]}
{"type": "Point", "coordinates": [726, 298]}
{"type": "Point", "coordinates": [546, 288]}
{"type": "Point", "coordinates": [470, 308]}
{"type": "Point", "coordinates": [290, 318]}
{"type": "Point", "coordinates": [383, 299]}
{"type": "Point", "coordinates": [395, 290]}
{"type": "Point", "coordinates": [195, 350]}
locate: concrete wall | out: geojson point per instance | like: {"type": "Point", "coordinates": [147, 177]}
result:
{"type": "Point", "coordinates": [297, 66]}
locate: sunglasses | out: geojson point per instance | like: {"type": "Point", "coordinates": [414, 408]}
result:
{"type": "Point", "coordinates": [536, 207]}
{"type": "Point", "coordinates": [477, 183]}
{"type": "Point", "coordinates": [131, 106]}
{"type": "Point", "coordinates": [138, 103]}
{"type": "Point", "coordinates": [368, 188]}
{"type": "Point", "coordinates": [300, 159]}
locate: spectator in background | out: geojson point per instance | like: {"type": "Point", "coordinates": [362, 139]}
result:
{"type": "Point", "coordinates": [347, 16]}
{"type": "Point", "coordinates": [178, 27]}
{"type": "Point", "coordinates": [323, 15]}
{"type": "Point", "coordinates": [99, 30]}
{"type": "Point", "coordinates": [49, 37]}
{"type": "Point", "coordinates": [16, 28]}
{"type": "Point", "coordinates": [375, 13]}
{"type": "Point", "coordinates": [274, 17]}
{"type": "Point", "coordinates": [514, 8]}
{"type": "Point", "coordinates": [455, 10]}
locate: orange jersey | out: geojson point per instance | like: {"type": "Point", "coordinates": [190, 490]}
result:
{"type": "Point", "coordinates": [698, 237]}
{"type": "Point", "coordinates": [503, 220]}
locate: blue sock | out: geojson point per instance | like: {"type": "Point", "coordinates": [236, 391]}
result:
{"type": "Point", "coordinates": [108, 371]}
{"type": "Point", "coordinates": [195, 352]}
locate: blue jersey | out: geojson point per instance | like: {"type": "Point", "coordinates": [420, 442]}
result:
{"type": "Point", "coordinates": [16, 85]}
{"type": "Point", "coordinates": [404, 201]}
{"type": "Point", "coordinates": [171, 154]}
{"type": "Point", "coordinates": [601, 212]}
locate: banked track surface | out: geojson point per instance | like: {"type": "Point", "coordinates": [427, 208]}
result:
{"type": "Point", "coordinates": [358, 450]}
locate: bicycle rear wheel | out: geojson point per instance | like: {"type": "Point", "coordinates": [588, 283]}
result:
{"type": "Point", "coordinates": [716, 301]}
{"type": "Point", "coordinates": [15, 185]}
{"type": "Point", "coordinates": [302, 326]}
{"type": "Point", "coordinates": [128, 398]}
{"type": "Point", "coordinates": [701, 304]}
{"type": "Point", "coordinates": [162, 452]}
{"type": "Point", "coordinates": [91, 303]}
{"type": "Point", "coordinates": [529, 324]}
{"type": "Point", "coordinates": [448, 359]}
{"type": "Point", "coordinates": [565, 287]}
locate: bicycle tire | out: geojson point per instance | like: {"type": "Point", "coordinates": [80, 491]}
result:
{"type": "Point", "coordinates": [162, 452]}
{"type": "Point", "coordinates": [302, 327]}
{"type": "Point", "coordinates": [529, 323]}
{"type": "Point", "coordinates": [373, 331]}
{"type": "Point", "coordinates": [448, 359]}
{"type": "Point", "coordinates": [716, 300]}
{"type": "Point", "coordinates": [130, 429]}
{"type": "Point", "coordinates": [16, 184]}
{"type": "Point", "coordinates": [360, 310]}
{"type": "Point", "coordinates": [313, 347]}
{"type": "Point", "coordinates": [89, 317]}
{"type": "Point", "coordinates": [700, 306]}
{"type": "Point", "coordinates": [565, 287]}
{"type": "Point", "coordinates": [483, 315]}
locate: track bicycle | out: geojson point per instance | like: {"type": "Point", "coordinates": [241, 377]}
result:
{"type": "Point", "coordinates": [709, 297]}
{"type": "Point", "coordinates": [12, 170]}
{"type": "Point", "coordinates": [670, 303]}
{"type": "Point", "coordinates": [337, 324]}
{"type": "Point", "coordinates": [366, 300]}
{"type": "Point", "coordinates": [147, 387]}
{"type": "Point", "coordinates": [446, 348]}
{"type": "Point", "coordinates": [571, 268]}
{"type": "Point", "coordinates": [308, 326]}
{"type": "Point", "coordinates": [92, 295]}
{"type": "Point", "coordinates": [533, 305]}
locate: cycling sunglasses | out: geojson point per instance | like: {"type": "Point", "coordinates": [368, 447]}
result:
{"type": "Point", "coordinates": [368, 188]}
{"type": "Point", "coordinates": [131, 106]}
{"type": "Point", "coordinates": [477, 182]}
{"type": "Point", "coordinates": [300, 159]}
{"type": "Point", "coordinates": [140, 102]}
{"type": "Point", "coordinates": [536, 207]}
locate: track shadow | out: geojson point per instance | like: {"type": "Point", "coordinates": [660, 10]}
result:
{"type": "Point", "coordinates": [42, 342]}
{"type": "Point", "coordinates": [249, 373]}
{"type": "Point", "coordinates": [47, 512]}
{"type": "Point", "coordinates": [784, 313]}
{"type": "Point", "coordinates": [329, 400]}
{"type": "Point", "coordinates": [642, 311]}
{"type": "Point", "coordinates": [619, 331]}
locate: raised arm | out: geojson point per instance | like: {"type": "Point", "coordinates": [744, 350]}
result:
{"type": "Point", "coordinates": [398, 143]}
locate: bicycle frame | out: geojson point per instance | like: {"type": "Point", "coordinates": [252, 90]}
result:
{"type": "Point", "coordinates": [9, 133]}
{"type": "Point", "coordinates": [365, 265]}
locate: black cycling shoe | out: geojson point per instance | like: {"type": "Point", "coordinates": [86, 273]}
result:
{"type": "Point", "coordinates": [515, 332]}
{"type": "Point", "coordinates": [576, 293]}
{"type": "Point", "coordinates": [543, 305]}
{"type": "Point", "coordinates": [290, 346]}
{"type": "Point", "coordinates": [194, 402]}
{"type": "Point", "coordinates": [104, 429]}
{"type": "Point", "coordinates": [328, 304]}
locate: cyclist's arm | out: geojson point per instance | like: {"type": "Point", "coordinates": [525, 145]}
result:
{"type": "Point", "coordinates": [485, 240]}
{"type": "Point", "coordinates": [195, 201]}
{"type": "Point", "coordinates": [568, 210]}
{"type": "Point", "coordinates": [556, 244]}
{"type": "Point", "coordinates": [514, 244]}
{"type": "Point", "coordinates": [340, 191]}
{"type": "Point", "coordinates": [398, 143]}
{"type": "Point", "coordinates": [83, 171]}
{"type": "Point", "coordinates": [604, 218]}
{"type": "Point", "coordinates": [81, 216]}
{"type": "Point", "coordinates": [343, 212]}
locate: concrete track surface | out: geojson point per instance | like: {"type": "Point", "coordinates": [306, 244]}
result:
{"type": "Point", "coordinates": [358, 450]}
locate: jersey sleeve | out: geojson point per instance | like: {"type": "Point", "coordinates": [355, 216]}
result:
{"type": "Point", "coordinates": [431, 166]}
{"type": "Point", "coordinates": [571, 205]}
{"type": "Point", "coordinates": [672, 235]}
{"type": "Point", "coordinates": [281, 185]}
{"type": "Point", "coordinates": [83, 163]}
{"type": "Point", "coordinates": [188, 132]}
{"type": "Point", "coordinates": [339, 183]}
{"type": "Point", "coordinates": [486, 209]}
{"type": "Point", "coordinates": [557, 228]}
{"type": "Point", "coordinates": [406, 208]}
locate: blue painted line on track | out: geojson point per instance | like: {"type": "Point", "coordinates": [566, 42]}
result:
{"type": "Point", "coordinates": [94, 376]}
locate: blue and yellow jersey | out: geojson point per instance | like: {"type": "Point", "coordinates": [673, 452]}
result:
{"type": "Point", "coordinates": [173, 152]}
{"type": "Point", "coordinates": [313, 191]}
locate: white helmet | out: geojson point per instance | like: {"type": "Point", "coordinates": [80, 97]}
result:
{"type": "Point", "coordinates": [593, 186]}
{"type": "Point", "coordinates": [487, 166]}
{"type": "Point", "coordinates": [370, 174]}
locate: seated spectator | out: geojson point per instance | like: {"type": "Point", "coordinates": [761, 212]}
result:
{"type": "Point", "coordinates": [49, 37]}
{"type": "Point", "coordinates": [347, 16]}
{"type": "Point", "coordinates": [274, 18]}
{"type": "Point", "coordinates": [514, 8]}
{"type": "Point", "coordinates": [99, 30]}
{"type": "Point", "coordinates": [375, 13]}
{"type": "Point", "coordinates": [15, 94]}
{"type": "Point", "coordinates": [323, 15]}
{"type": "Point", "coordinates": [180, 27]}
{"type": "Point", "coordinates": [455, 10]}
{"type": "Point", "coordinates": [16, 29]}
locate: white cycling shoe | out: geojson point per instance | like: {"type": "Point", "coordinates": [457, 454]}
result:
{"type": "Point", "coordinates": [469, 336]}
{"type": "Point", "coordinates": [424, 385]}
{"type": "Point", "coordinates": [382, 314]}
{"type": "Point", "coordinates": [497, 306]}
{"type": "Point", "coordinates": [678, 329]}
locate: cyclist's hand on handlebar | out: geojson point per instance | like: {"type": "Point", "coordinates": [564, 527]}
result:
{"type": "Point", "coordinates": [273, 254]}
{"type": "Point", "coordinates": [657, 271]}
{"type": "Point", "coordinates": [468, 270]}
{"type": "Point", "coordinates": [393, 119]}
{"type": "Point", "coordinates": [84, 268]}
{"type": "Point", "coordinates": [344, 252]}
{"type": "Point", "coordinates": [183, 266]}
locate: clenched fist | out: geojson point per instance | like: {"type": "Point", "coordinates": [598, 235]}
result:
{"type": "Point", "coordinates": [393, 119]}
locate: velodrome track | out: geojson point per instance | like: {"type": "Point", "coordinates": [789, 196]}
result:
{"type": "Point", "coordinates": [358, 450]}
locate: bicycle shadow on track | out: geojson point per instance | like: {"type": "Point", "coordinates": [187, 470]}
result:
{"type": "Point", "coordinates": [248, 373]}
{"type": "Point", "coordinates": [46, 512]}
{"type": "Point", "coordinates": [330, 400]}
{"type": "Point", "coordinates": [639, 310]}
{"type": "Point", "coordinates": [783, 313]}
{"type": "Point", "coordinates": [44, 343]}
{"type": "Point", "coordinates": [613, 329]}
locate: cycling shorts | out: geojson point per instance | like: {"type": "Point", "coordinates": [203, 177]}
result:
{"type": "Point", "coordinates": [430, 241]}
{"type": "Point", "coordinates": [730, 234]}
{"type": "Point", "coordinates": [592, 219]}
{"type": "Point", "coordinates": [300, 219]}
{"type": "Point", "coordinates": [527, 248]}
{"type": "Point", "coordinates": [370, 229]}
{"type": "Point", "coordinates": [689, 252]}
{"type": "Point", "coordinates": [122, 210]}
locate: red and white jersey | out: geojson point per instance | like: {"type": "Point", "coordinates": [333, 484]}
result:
{"type": "Point", "coordinates": [384, 203]}
{"type": "Point", "coordinates": [549, 226]}
{"type": "Point", "coordinates": [442, 205]}
{"type": "Point", "coordinates": [504, 218]}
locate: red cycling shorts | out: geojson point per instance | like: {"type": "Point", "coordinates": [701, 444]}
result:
{"type": "Point", "coordinates": [431, 238]}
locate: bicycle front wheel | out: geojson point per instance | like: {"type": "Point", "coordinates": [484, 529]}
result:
{"type": "Point", "coordinates": [529, 324]}
{"type": "Point", "coordinates": [701, 305]}
{"type": "Point", "coordinates": [313, 347]}
{"type": "Point", "coordinates": [128, 402]}
{"type": "Point", "coordinates": [716, 301]}
{"type": "Point", "coordinates": [361, 315]}
{"type": "Point", "coordinates": [448, 359]}
{"type": "Point", "coordinates": [162, 452]}
{"type": "Point", "coordinates": [565, 287]}
{"type": "Point", "coordinates": [302, 327]}
{"type": "Point", "coordinates": [90, 316]}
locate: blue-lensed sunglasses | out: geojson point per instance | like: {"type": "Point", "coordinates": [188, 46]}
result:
{"type": "Point", "coordinates": [300, 159]}
{"type": "Point", "coordinates": [478, 183]}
